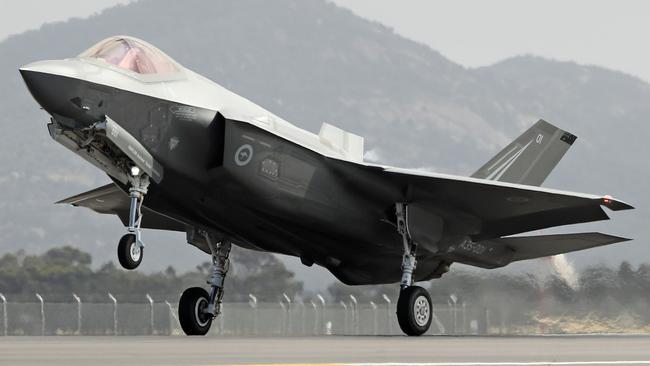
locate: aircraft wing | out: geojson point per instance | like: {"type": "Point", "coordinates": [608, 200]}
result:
{"type": "Point", "coordinates": [110, 199]}
{"type": "Point", "coordinates": [529, 247]}
{"type": "Point", "coordinates": [506, 208]}
{"type": "Point", "coordinates": [494, 208]}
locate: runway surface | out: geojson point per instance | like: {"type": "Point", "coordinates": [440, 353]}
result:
{"type": "Point", "coordinates": [387, 351]}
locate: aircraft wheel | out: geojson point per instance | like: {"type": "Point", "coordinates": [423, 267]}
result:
{"type": "Point", "coordinates": [129, 253]}
{"type": "Point", "coordinates": [190, 311]}
{"type": "Point", "coordinates": [414, 311]}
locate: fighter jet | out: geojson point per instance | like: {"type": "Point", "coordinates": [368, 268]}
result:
{"type": "Point", "coordinates": [228, 172]}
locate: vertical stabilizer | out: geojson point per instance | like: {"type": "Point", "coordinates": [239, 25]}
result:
{"type": "Point", "coordinates": [530, 158]}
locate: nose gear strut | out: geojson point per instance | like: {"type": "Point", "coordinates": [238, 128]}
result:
{"type": "Point", "coordinates": [131, 248]}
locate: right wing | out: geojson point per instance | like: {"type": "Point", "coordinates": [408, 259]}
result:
{"type": "Point", "coordinates": [480, 208]}
{"type": "Point", "coordinates": [503, 208]}
{"type": "Point", "coordinates": [110, 199]}
{"type": "Point", "coordinates": [530, 158]}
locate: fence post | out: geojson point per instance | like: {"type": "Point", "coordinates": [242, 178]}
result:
{"type": "Point", "coordinates": [4, 313]}
{"type": "Point", "coordinates": [172, 317]}
{"type": "Point", "coordinates": [303, 317]}
{"type": "Point", "coordinates": [283, 328]}
{"type": "Point", "coordinates": [78, 300]}
{"type": "Point", "coordinates": [289, 325]}
{"type": "Point", "coordinates": [465, 330]}
{"type": "Point", "coordinates": [374, 317]}
{"type": "Point", "coordinates": [114, 300]}
{"type": "Point", "coordinates": [253, 303]}
{"type": "Point", "coordinates": [454, 312]}
{"type": "Point", "coordinates": [40, 299]}
{"type": "Point", "coordinates": [345, 316]}
{"type": "Point", "coordinates": [313, 304]}
{"type": "Point", "coordinates": [323, 314]}
{"type": "Point", "coordinates": [389, 324]}
{"type": "Point", "coordinates": [355, 314]}
{"type": "Point", "coordinates": [150, 312]}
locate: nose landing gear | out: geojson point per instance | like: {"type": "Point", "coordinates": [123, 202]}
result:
{"type": "Point", "coordinates": [414, 311]}
{"type": "Point", "coordinates": [130, 249]}
{"type": "Point", "coordinates": [129, 253]}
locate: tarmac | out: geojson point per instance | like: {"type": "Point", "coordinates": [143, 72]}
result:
{"type": "Point", "coordinates": [333, 350]}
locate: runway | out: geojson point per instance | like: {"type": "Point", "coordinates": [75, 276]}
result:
{"type": "Point", "coordinates": [387, 351]}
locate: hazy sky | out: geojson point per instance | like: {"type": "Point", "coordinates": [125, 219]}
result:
{"type": "Point", "coordinates": [614, 34]}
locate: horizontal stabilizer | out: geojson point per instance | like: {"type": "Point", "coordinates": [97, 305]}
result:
{"type": "Point", "coordinates": [529, 247]}
{"type": "Point", "coordinates": [530, 158]}
{"type": "Point", "coordinates": [110, 199]}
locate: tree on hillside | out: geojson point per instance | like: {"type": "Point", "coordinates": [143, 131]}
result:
{"type": "Point", "coordinates": [59, 272]}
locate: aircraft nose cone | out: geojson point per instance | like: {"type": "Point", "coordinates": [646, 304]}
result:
{"type": "Point", "coordinates": [54, 87]}
{"type": "Point", "coordinates": [43, 85]}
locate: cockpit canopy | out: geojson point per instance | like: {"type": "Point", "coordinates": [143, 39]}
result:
{"type": "Point", "coordinates": [132, 54]}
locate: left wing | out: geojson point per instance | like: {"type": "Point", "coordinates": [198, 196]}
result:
{"type": "Point", "coordinates": [110, 199]}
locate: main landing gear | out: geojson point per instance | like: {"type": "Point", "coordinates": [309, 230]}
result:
{"type": "Point", "coordinates": [197, 308]}
{"type": "Point", "coordinates": [414, 312]}
{"type": "Point", "coordinates": [131, 248]}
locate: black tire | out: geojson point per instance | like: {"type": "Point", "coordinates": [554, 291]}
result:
{"type": "Point", "coordinates": [190, 311]}
{"type": "Point", "coordinates": [129, 252]}
{"type": "Point", "coordinates": [414, 311]}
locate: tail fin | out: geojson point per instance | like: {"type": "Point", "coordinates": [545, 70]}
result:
{"type": "Point", "coordinates": [530, 158]}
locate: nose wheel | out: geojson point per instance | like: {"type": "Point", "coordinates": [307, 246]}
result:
{"type": "Point", "coordinates": [129, 252]}
{"type": "Point", "coordinates": [131, 248]}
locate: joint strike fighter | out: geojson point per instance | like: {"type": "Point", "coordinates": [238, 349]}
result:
{"type": "Point", "coordinates": [227, 172]}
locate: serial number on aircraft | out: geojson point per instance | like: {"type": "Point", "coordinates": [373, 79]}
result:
{"type": "Point", "coordinates": [472, 247]}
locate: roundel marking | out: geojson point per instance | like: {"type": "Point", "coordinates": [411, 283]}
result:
{"type": "Point", "coordinates": [244, 155]}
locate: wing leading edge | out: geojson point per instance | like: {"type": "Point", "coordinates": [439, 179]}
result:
{"type": "Point", "coordinates": [504, 208]}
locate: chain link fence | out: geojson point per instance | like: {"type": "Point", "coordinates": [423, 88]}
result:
{"type": "Point", "coordinates": [237, 319]}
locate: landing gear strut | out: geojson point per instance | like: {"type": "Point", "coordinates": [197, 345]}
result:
{"type": "Point", "coordinates": [130, 249]}
{"type": "Point", "coordinates": [197, 308]}
{"type": "Point", "coordinates": [414, 303]}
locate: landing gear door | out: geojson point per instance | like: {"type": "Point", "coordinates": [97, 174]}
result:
{"type": "Point", "coordinates": [133, 149]}
{"type": "Point", "coordinates": [424, 226]}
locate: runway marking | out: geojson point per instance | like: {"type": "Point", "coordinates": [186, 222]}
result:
{"type": "Point", "coordinates": [529, 363]}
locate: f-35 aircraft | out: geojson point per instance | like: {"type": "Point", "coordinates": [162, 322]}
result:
{"type": "Point", "coordinates": [226, 171]}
